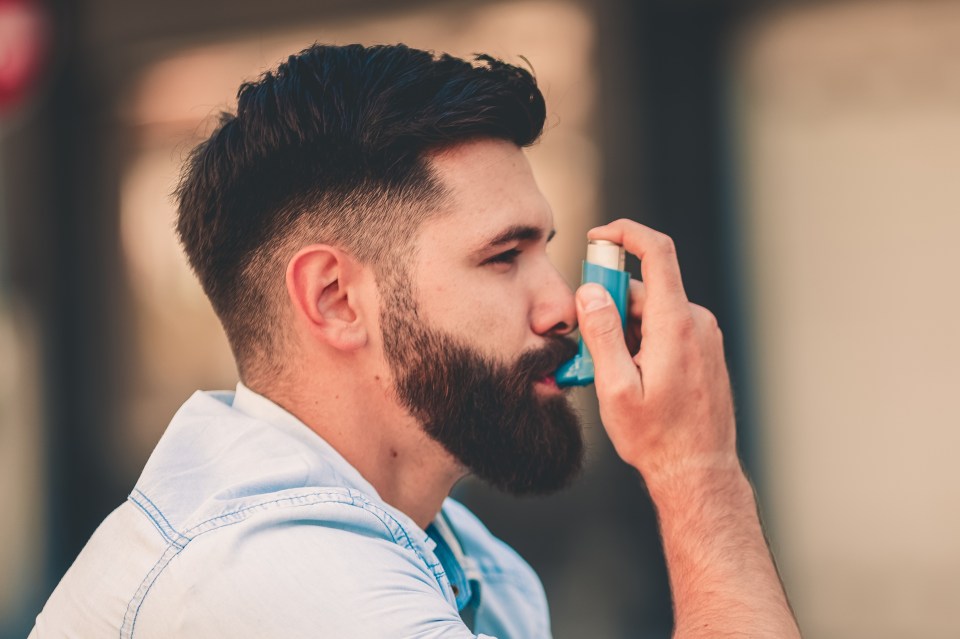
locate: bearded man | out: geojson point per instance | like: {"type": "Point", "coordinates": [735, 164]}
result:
{"type": "Point", "coordinates": [369, 232]}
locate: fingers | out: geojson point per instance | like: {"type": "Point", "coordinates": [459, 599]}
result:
{"type": "Point", "coordinates": [658, 262]}
{"type": "Point", "coordinates": [638, 295]}
{"type": "Point", "coordinates": [600, 327]}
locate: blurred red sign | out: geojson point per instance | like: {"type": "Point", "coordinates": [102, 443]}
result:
{"type": "Point", "coordinates": [23, 40]}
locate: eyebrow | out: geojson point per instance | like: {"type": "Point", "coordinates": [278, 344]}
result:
{"type": "Point", "coordinates": [517, 233]}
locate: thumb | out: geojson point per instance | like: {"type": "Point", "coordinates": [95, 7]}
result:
{"type": "Point", "coordinates": [602, 331]}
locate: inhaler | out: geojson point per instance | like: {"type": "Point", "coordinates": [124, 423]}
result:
{"type": "Point", "coordinates": [604, 266]}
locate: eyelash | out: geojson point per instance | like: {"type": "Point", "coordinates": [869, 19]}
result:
{"type": "Point", "coordinates": [507, 257]}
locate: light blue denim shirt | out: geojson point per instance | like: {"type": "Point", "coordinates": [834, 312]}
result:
{"type": "Point", "coordinates": [245, 523]}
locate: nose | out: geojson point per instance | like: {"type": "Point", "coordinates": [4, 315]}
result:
{"type": "Point", "coordinates": [554, 312]}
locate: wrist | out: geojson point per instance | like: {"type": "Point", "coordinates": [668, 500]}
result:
{"type": "Point", "coordinates": [693, 476]}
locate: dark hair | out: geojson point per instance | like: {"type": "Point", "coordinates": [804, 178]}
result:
{"type": "Point", "coordinates": [332, 147]}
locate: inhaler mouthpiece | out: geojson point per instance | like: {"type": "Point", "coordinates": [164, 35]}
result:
{"type": "Point", "coordinates": [605, 266]}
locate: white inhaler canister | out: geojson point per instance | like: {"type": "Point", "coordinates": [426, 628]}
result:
{"type": "Point", "coordinates": [605, 266]}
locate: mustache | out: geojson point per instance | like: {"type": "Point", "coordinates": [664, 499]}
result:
{"type": "Point", "coordinates": [538, 363]}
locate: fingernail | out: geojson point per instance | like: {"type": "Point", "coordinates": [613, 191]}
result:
{"type": "Point", "coordinates": [593, 297]}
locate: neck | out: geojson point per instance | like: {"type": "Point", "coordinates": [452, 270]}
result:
{"type": "Point", "coordinates": [408, 469]}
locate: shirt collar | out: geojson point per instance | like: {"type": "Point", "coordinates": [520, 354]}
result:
{"type": "Point", "coordinates": [261, 408]}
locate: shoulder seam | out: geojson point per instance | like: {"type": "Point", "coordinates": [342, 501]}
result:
{"type": "Point", "coordinates": [156, 517]}
{"type": "Point", "coordinates": [177, 541]}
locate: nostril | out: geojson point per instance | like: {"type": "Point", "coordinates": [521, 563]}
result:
{"type": "Point", "coordinates": [562, 328]}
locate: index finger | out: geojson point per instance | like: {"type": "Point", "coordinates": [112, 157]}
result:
{"type": "Point", "coordinates": [658, 261]}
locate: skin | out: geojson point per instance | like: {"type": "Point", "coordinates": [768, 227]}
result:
{"type": "Point", "coordinates": [667, 407]}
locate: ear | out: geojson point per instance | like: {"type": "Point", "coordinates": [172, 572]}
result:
{"type": "Point", "coordinates": [324, 292]}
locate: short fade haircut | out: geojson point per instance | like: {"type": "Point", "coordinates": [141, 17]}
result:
{"type": "Point", "coordinates": [332, 147]}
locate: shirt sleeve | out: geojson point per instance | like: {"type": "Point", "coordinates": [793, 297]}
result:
{"type": "Point", "coordinates": [301, 579]}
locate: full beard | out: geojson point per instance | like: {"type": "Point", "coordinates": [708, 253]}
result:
{"type": "Point", "coordinates": [486, 414]}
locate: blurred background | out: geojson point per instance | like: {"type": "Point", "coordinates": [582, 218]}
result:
{"type": "Point", "coordinates": [805, 156]}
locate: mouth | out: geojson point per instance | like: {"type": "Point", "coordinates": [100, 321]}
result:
{"type": "Point", "coordinates": [547, 383]}
{"type": "Point", "coordinates": [539, 368]}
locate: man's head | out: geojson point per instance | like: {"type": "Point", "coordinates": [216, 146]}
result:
{"type": "Point", "coordinates": [373, 204]}
{"type": "Point", "coordinates": [332, 148]}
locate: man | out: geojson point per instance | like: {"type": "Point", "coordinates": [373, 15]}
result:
{"type": "Point", "coordinates": [370, 234]}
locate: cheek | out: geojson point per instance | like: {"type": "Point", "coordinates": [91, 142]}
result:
{"type": "Point", "coordinates": [489, 312]}
{"type": "Point", "coordinates": [482, 315]}
{"type": "Point", "coordinates": [497, 319]}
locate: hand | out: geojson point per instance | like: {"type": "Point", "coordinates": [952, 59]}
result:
{"type": "Point", "coordinates": [669, 412]}
{"type": "Point", "coordinates": [668, 408]}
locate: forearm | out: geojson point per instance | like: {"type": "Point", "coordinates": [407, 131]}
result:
{"type": "Point", "coordinates": [722, 576]}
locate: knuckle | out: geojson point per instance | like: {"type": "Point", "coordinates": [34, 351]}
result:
{"type": "Point", "coordinates": [704, 317]}
{"type": "Point", "coordinates": [618, 391]}
{"type": "Point", "coordinates": [604, 329]}
{"type": "Point", "coordinates": [666, 245]}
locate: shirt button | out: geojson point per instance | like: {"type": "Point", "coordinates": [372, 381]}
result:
{"type": "Point", "coordinates": [456, 591]}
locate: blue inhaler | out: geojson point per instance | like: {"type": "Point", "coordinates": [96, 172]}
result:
{"type": "Point", "coordinates": [604, 266]}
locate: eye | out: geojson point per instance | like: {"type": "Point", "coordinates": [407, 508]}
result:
{"type": "Point", "coordinates": [507, 257]}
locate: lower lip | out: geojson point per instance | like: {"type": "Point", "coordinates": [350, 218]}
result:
{"type": "Point", "coordinates": [549, 382]}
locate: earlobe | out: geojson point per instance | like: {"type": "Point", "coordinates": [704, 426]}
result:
{"type": "Point", "coordinates": [324, 298]}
